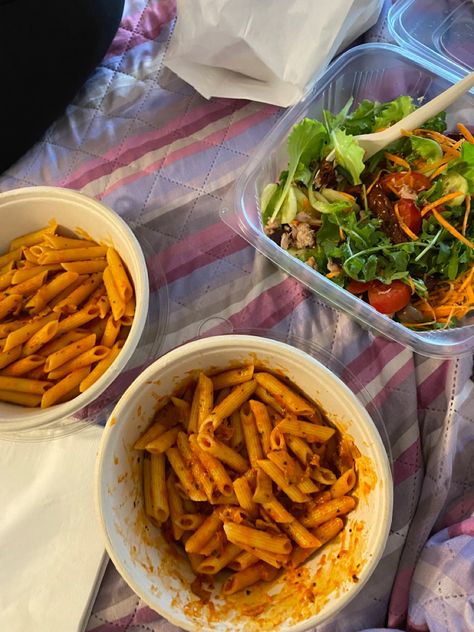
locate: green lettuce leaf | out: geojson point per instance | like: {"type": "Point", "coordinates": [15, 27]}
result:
{"type": "Point", "coordinates": [349, 154]}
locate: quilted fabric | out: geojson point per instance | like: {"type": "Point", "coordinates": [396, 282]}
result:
{"type": "Point", "coordinates": [163, 157]}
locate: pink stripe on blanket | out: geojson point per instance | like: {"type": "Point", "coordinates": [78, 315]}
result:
{"type": "Point", "coordinates": [398, 607]}
{"type": "Point", "coordinates": [214, 139]}
{"type": "Point", "coordinates": [142, 26]}
{"type": "Point", "coordinates": [137, 146]}
{"type": "Point", "coordinates": [466, 527]}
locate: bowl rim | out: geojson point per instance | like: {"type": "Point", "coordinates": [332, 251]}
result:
{"type": "Point", "coordinates": [47, 416]}
{"type": "Point", "coordinates": [268, 344]}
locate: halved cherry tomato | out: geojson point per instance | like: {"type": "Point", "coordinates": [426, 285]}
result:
{"type": "Point", "coordinates": [410, 214]}
{"type": "Point", "coordinates": [400, 180]}
{"type": "Point", "coordinates": [358, 287]}
{"type": "Point", "coordinates": [389, 298]}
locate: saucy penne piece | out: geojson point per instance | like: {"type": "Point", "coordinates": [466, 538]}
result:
{"type": "Point", "coordinates": [299, 447]}
{"type": "Point", "coordinates": [7, 357]}
{"type": "Point", "coordinates": [6, 279]}
{"type": "Point", "coordinates": [263, 487]}
{"type": "Point", "coordinates": [204, 533]}
{"type": "Point", "coordinates": [249, 576]}
{"type": "Point", "coordinates": [28, 286]}
{"type": "Point", "coordinates": [111, 331]}
{"type": "Point", "coordinates": [213, 467]}
{"type": "Point", "coordinates": [159, 494]}
{"type": "Point", "coordinates": [117, 304]}
{"type": "Point", "coordinates": [249, 429]}
{"type": "Point", "coordinates": [238, 395]}
{"type": "Point", "coordinates": [332, 509]}
{"type": "Point", "coordinates": [190, 522]}
{"type": "Point", "coordinates": [263, 423]}
{"type": "Point", "coordinates": [287, 397]}
{"type": "Point", "coordinates": [324, 533]}
{"type": "Point", "coordinates": [80, 293]}
{"type": "Point", "coordinates": [119, 274]}
{"type": "Point", "coordinates": [166, 440]}
{"type": "Point", "coordinates": [101, 367]}
{"type": "Point", "coordinates": [23, 366]}
{"type": "Point", "coordinates": [59, 342]}
{"type": "Point", "coordinates": [47, 292]}
{"type": "Point", "coordinates": [206, 397]}
{"type": "Point", "coordinates": [268, 399]}
{"type": "Point", "coordinates": [23, 385]}
{"type": "Point", "coordinates": [256, 538]}
{"type": "Point", "coordinates": [175, 505]}
{"type": "Point", "coordinates": [343, 485]}
{"type": "Point", "coordinates": [200, 474]}
{"type": "Point", "coordinates": [232, 377]}
{"type": "Point", "coordinates": [80, 318]}
{"type": "Point", "coordinates": [213, 564]}
{"type": "Point", "coordinates": [21, 399]}
{"type": "Point", "coordinates": [305, 429]}
{"type": "Point", "coordinates": [245, 496]}
{"type": "Point", "coordinates": [40, 338]}
{"type": "Point", "coordinates": [13, 255]}
{"type": "Point", "coordinates": [70, 351]}
{"type": "Point", "coordinates": [87, 358]}
{"type": "Point", "coordinates": [190, 486]}
{"type": "Point", "coordinates": [278, 477]}
{"type": "Point", "coordinates": [243, 560]}
{"type": "Point", "coordinates": [85, 267]}
{"type": "Point", "coordinates": [64, 387]}
{"type": "Point", "coordinates": [9, 304]}
{"type": "Point", "coordinates": [71, 254]}
{"type": "Point", "coordinates": [58, 243]}
{"type": "Point", "coordinates": [19, 276]}
{"type": "Point", "coordinates": [222, 452]}
{"type": "Point", "coordinates": [35, 237]}
{"type": "Point", "coordinates": [21, 335]}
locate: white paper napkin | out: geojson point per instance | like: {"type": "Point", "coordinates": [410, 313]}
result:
{"type": "Point", "coordinates": [52, 554]}
{"type": "Point", "coordinates": [265, 50]}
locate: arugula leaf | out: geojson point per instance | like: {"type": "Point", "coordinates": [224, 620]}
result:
{"type": "Point", "coordinates": [361, 120]}
{"type": "Point", "coordinates": [304, 143]}
{"type": "Point", "coordinates": [333, 121]}
{"type": "Point", "coordinates": [349, 154]}
{"type": "Point", "coordinates": [436, 123]}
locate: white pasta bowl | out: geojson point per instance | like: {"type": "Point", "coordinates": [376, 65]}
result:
{"type": "Point", "coordinates": [28, 209]}
{"type": "Point", "coordinates": [158, 571]}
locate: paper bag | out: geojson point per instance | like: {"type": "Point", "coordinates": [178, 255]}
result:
{"type": "Point", "coordinates": [263, 50]}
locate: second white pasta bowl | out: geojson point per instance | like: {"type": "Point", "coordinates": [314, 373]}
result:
{"type": "Point", "coordinates": [26, 210]}
{"type": "Point", "coordinates": [157, 568]}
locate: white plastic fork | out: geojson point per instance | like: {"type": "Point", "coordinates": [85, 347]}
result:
{"type": "Point", "coordinates": [372, 143]}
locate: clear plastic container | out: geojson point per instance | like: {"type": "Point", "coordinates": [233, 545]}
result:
{"type": "Point", "coordinates": [372, 71]}
{"type": "Point", "coordinates": [442, 32]}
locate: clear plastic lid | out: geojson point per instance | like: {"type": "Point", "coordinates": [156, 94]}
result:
{"type": "Point", "coordinates": [439, 31]}
{"type": "Point", "coordinates": [379, 72]}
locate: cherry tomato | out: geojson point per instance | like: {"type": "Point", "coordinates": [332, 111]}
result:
{"type": "Point", "coordinates": [398, 181]}
{"type": "Point", "coordinates": [410, 214]}
{"type": "Point", "coordinates": [358, 287]}
{"type": "Point", "coordinates": [389, 298]}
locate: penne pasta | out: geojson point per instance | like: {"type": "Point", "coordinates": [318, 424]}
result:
{"type": "Point", "coordinates": [85, 359]}
{"type": "Point", "coordinates": [232, 402]}
{"type": "Point", "coordinates": [85, 267]}
{"type": "Point", "coordinates": [101, 367]}
{"type": "Point", "coordinates": [9, 304]}
{"type": "Point", "coordinates": [159, 494]}
{"type": "Point", "coordinates": [119, 275]}
{"type": "Point", "coordinates": [40, 338]}
{"type": "Point", "coordinates": [284, 395]}
{"type": "Point", "coordinates": [306, 430]}
{"type": "Point", "coordinates": [111, 331]}
{"type": "Point", "coordinates": [23, 385]}
{"type": "Point", "coordinates": [35, 237]}
{"type": "Point", "coordinates": [242, 493]}
{"type": "Point", "coordinates": [70, 351]}
{"type": "Point", "coordinates": [23, 366]}
{"type": "Point", "coordinates": [117, 304]}
{"type": "Point", "coordinates": [232, 377]}
{"type": "Point", "coordinates": [47, 292]}
{"type": "Point", "coordinates": [7, 357]}
{"type": "Point", "coordinates": [71, 254]}
{"type": "Point", "coordinates": [72, 301]}
{"type": "Point", "coordinates": [64, 387]}
{"type": "Point", "coordinates": [30, 400]}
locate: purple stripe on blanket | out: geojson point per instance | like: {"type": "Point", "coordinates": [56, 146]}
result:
{"type": "Point", "coordinates": [458, 511]}
{"type": "Point", "coordinates": [368, 364]}
{"type": "Point", "coordinates": [136, 147]}
{"type": "Point", "coordinates": [433, 386]}
{"type": "Point", "coordinates": [142, 616]}
{"type": "Point", "coordinates": [399, 599]}
{"type": "Point", "coordinates": [408, 463]}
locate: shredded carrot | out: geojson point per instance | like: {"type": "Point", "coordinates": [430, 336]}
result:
{"type": "Point", "coordinates": [439, 170]}
{"type": "Point", "coordinates": [342, 235]}
{"type": "Point", "coordinates": [466, 214]}
{"type": "Point", "coordinates": [331, 275]}
{"type": "Point", "coordinates": [445, 224]}
{"type": "Point", "coordinates": [465, 132]}
{"type": "Point", "coordinates": [403, 226]}
{"type": "Point", "coordinates": [397, 160]}
{"type": "Point", "coordinates": [412, 285]}
{"type": "Point", "coordinates": [451, 299]}
{"type": "Point", "coordinates": [437, 136]}
{"type": "Point", "coordinates": [374, 181]}
{"type": "Point", "coordinates": [405, 132]}
{"type": "Point", "coordinates": [458, 144]}
{"type": "Point", "coordinates": [440, 201]}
